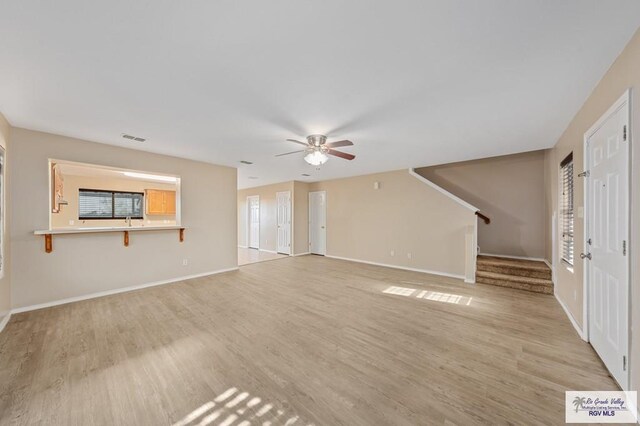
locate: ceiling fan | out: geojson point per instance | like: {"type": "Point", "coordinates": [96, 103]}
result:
{"type": "Point", "coordinates": [318, 150]}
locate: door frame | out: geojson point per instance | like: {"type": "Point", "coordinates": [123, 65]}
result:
{"type": "Point", "coordinates": [249, 197]}
{"type": "Point", "coordinates": [290, 222]}
{"type": "Point", "coordinates": [325, 219]}
{"type": "Point", "coordinates": [624, 99]}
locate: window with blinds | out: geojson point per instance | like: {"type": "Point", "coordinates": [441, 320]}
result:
{"type": "Point", "coordinates": [100, 204]}
{"type": "Point", "coordinates": [566, 209]}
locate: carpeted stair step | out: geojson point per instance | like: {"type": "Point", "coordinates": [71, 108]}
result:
{"type": "Point", "coordinates": [524, 268]}
{"type": "Point", "coordinates": [537, 285]}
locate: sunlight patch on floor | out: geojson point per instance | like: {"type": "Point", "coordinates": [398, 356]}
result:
{"type": "Point", "coordinates": [400, 291]}
{"type": "Point", "coordinates": [434, 296]}
{"type": "Point", "coordinates": [231, 406]}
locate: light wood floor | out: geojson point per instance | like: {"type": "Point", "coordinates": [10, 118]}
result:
{"type": "Point", "coordinates": [247, 256]}
{"type": "Point", "coordinates": [300, 341]}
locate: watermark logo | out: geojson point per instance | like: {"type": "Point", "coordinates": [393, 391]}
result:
{"type": "Point", "coordinates": [601, 407]}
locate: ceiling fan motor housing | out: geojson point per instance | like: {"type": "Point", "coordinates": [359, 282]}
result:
{"type": "Point", "coordinates": [316, 140]}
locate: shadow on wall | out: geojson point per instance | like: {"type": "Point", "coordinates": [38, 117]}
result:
{"type": "Point", "coordinates": [510, 226]}
{"type": "Point", "coordinates": [509, 190]}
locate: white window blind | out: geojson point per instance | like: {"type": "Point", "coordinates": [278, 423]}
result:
{"type": "Point", "coordinates": [566, 209]}
{"type": "Point", "coordinates": [100, 204]}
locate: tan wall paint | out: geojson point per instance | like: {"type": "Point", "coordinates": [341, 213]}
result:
{"type": "Point", "coordinates": [301, 217]}
{"type": "Point", "coordinates": [70, 190]}
{"type": "Point", "coordinates": [268, 218]}
{"type": "Point", "coordinates": [404, 215]}
{"type": "Point", "coordinates": [5, 281]}
{"type": "Point", "coordinates": [623, 74]}
{"type": "Point", "coordinates": [510, 190]}
{"type": "Point", "coordinates": [88, 263]}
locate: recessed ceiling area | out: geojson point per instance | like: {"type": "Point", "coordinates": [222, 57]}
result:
{"type": "Point", "coordinates": [411, 83]}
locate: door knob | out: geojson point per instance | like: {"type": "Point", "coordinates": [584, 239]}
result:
{"type": "Point", "coordinates": [322, 227]}
{"type": "Point", "coordinates": [585, 256]}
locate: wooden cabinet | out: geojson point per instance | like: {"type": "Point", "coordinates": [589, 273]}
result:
{"type": "Point", "coordinates": [170, 202]}
{"type": "Point", "coordinates": [160, 202]}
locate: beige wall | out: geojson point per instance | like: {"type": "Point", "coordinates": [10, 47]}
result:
{"type": "Point", "coordinates": [509, 190]}
{"type": "Point", "coordinates": [405, 215]}
{"type": "Point", "coordinates": [623, 74]}
{"type": "Point", "coordinates": [73, 183]}
{"type": "Point", "coordinates": [5, 276]}
{"type": "Point", "coordinates": [268, 218]}
{"type": "Point", "coordinates": [82, 264]}
{"type": "Point", "coordinates": [300, 217]}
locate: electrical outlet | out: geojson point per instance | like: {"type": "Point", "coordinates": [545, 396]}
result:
{"type": "Point", "coordinates": [408, 255]}
{"type": "Point", "coordinates": [185, 262]}
{"type": "Point", "coordinates": [392, 253]}
{"type": "Point", "coordinates": [71, 222]}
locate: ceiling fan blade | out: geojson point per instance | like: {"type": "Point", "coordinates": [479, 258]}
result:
{"type": "Point", "coordinates": [295, 141]}
{"type": "Point", "coordinates": [338, 144]}
{"type": "Point", "coordinates": [341, 154]}
{"type": "Point", "coordinates": [292, 152]}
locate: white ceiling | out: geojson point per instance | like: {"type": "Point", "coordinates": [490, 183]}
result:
{"type": "Point", "coordinates": [411, 83]}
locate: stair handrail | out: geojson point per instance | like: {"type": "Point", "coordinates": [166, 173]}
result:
{"type": "Point", "coordinates": [486, 219]}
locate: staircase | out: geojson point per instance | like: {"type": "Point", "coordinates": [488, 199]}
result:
{"type": "Point", "coordinates": [526, 275]}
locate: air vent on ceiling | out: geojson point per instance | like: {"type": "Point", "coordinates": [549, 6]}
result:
{"type": "Point", "coordinates": [253, 177]}
{"type": "Point", "coordinates": [245, 162]}
{"type": "Point", "coordinates": [133, 138]}
{"type": "Point", "coordinates": [306, 174]}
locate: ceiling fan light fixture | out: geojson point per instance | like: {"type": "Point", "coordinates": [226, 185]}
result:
{"type": "Point", "coordinates": [316, 158]}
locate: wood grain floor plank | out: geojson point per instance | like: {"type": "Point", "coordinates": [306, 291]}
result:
{"type": "Point", "coordinates": [305, 340]}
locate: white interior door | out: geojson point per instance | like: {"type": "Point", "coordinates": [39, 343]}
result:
{"type": "Point", "coordinates": [607, 239]}
{"type": "Point", "coordinates": [284, 222]}
{"type": "Point", "coordinates": [318, 222]}
{"type": "Point", "coordinates": [253, 227]}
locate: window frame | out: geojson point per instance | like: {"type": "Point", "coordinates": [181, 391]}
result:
{"type": "Point", "coordinates": [113, 207]}
{"type": "Point", "coordinates": [567, 176]}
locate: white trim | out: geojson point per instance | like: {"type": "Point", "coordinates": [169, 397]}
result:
{"type": "Point", "coordinates": [473, 281]}
{"type": "Point", "coordinates": [535, 259]}
{"type": "Point", "coordinates": [443, 191]}
{"type": "Point", "coordinates": [5, 320]}
{"type": "Point", "coordinates": [118, 290]}
{"type": "Point", "coordinates": [301, 254]}
{"type": "Point", "coordinates": [624, 100]}
{"type": "Point", "coordinates": [243, 247]}
{"type": "Point", "coordinates": [270, 251]}
{"type": "Point", "coordinates": [571, 318]}
{"type": "Point", "coordinates": [386, 265]}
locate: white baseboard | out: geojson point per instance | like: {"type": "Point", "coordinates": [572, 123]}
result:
{"type": "Point", "coordinates": [571, 318]}
{"type": "Point", "coordinates": [268, 251]}
{"type": "Point", "coordinates": [116, 291]}
{"type": "Point", "coordinates": [301, 254]}
{"type": "Point", "coordinates": [5, 321]}
{"type": "Point", "coordinates": [424, 271]}
{"type": "Point", "coordinates": [470, 280]}
{"type": "Point", "coordinates": [536, 259]}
